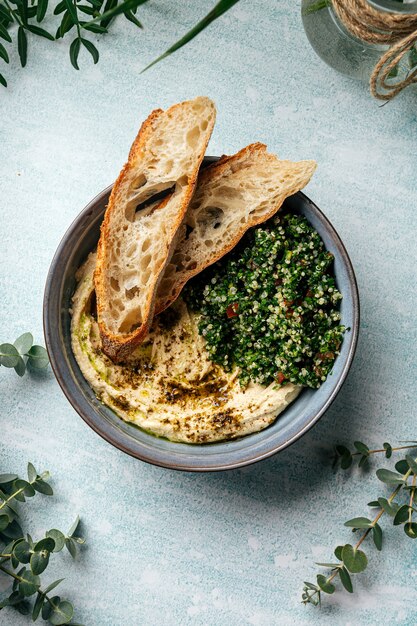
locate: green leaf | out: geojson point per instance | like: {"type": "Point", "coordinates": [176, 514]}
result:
{"type": "Point", "coordinates": [13, 531]}
{"type": "Point", "coordinates": [390, 478]}
{"type": "Point", "coordinates": [4, 34]}
{"type": "Point", "coordinates": [346, 461]}
{"type": "Point", "coordinates": [47, 609]}
{"type": "Point", "coordinates": [22, 552]}
{"type": "Point", "coordinates": [37, 607]}
{"type": "Point", "coordinates": [311, 586]}
{"type": "Point", "coordinates": [132, 18]}
{"type": "Point", "coordinates": [338, 552]}
{"type": "Point", "coordinates": [3, 53]}
{"type": "Point", "coordinates": [60, 8]}
{"type": "Point", "coordinates": [71, 10]}
{"type": "Point", "coordinates": [39, 562]}
{"type": "Point", "coordinates": [353, 559]}
{"type": "Point", "coordinates": [402, 466]}
{"type": "Point", "coordinates": [23, 607]}
{"type": "Point", "coordinates": [91, 49]}
{"type": "Point", "coordinates": [3, 82]}
{"type": "Point", "coordinates": [58, 537]}
{"type": "Point", "coordinates": [94, 28]}
{"type": "Point", "coordinates": [74, 526]}
{"type": "Point", "coordinates": [345, 579]}
{"type": "Point", "coordinates": [30, 583]}
{"type": "Point", "coordinates": [32, 473]}
{"type": "Point", "coordinates": [391, 509]}
{"type": "Point", "coordinates": [412, 463]}
{"type": "Point", "coordinates": [410, 530]}
{"type": "Point", "coordinates": [53, 585]}
{"type": "Point", "coordinates": [330, 565]}
{"type": "Point", "coordinates": [377, 536]}
{"type": "Point", "coordinates": [374, 503]}
{"type": "Point", "coordinates": [359, 522]}
{"type": "Point", "coordinates": [117, 9]}
{"type": "Point", "coordinates": [70, 545]}
{"type": "Point", "coordinates": [24, 343]}
{"type": "Point", "coordinates": [9, 356]}
{"type": "Point", "coordinates": [364, 459]}
{"type": "Point", "coordinates": [20, 367]}
{"type": "Point", "coordinates": [61, 613]}
{"type": "Point", "coordinates": [221, 7]}
{"type": "Point", "coordinates": [23, 484]}
{"type": "Point", "coordinates": [361, 447]}
{"type": "Point", "coordinates": [22, 45]}
{"type": "Point", "coordinates": [324, 584]}
{"type": "Point", "coordinates": [388, 450]}
{"type": "Point", "coordinates": [41, 32]}
{"type": "Point", "coordinates": [47, 544]}
{"type": "Point", "coordinates": [401, 515]}
{"type": "Point", "coordinates": [4, 522]}
{"type": "Point", "coordinates": [85, 8]}
{"type": "Point", "coordinates": [7, 478]}
{"type": "Point", "coordinates": [74, 52]}
{"type": "Point", "coordinates": [38, 358]}
{"type": "Point", "coordinates": [43, 487]}
{"type": "Point", "coordinates": [41, 9]}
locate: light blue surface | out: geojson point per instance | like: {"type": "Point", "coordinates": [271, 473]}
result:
{"type": "Point", "coordinates": [168, 548]}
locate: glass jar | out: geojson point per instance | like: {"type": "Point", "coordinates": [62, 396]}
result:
{"type": "Point", "coordinates": [343, 51]}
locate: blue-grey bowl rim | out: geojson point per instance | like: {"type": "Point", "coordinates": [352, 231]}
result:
{"type": "Point", "coordinates": [71, 388]}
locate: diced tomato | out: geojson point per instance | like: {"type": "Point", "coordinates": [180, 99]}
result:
{"type": "Point", "coordinates": [232, 310]}
{"type": "Point", "coordinates": [280, 378]}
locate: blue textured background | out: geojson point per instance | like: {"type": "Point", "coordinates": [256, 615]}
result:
{"type": "Point", "coordinates": [166, 548]}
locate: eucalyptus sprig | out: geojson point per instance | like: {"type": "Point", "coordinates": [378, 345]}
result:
{"type": "Point", "coordinates": [17, 549]}
{"type": "Point", "coordinates": [22, 354]}
{"type": "Point", "coordinates": [401, 505]}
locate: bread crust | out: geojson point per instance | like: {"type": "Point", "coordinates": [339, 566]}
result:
{"type": "Point", "coordinates": [216, 171]}
{"type": "Point", "coordinates": [119, 346]}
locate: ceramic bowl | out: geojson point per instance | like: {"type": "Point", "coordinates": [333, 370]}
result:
{"type": "Point", "coordinates": [80, 239]}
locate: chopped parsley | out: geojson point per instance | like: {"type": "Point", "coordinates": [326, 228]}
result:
{"type": "Point", "coordinates": [270, 306]}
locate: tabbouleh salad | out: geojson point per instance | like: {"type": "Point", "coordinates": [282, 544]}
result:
{"type": "Point", "coordinates": [270, 306]}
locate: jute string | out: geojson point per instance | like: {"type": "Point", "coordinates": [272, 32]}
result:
{"type": "Point", "coordinates": [397, 30]}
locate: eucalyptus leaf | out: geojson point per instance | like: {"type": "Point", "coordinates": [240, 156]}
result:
{"type": "Point", "coordinates": [47, 544]}
{"type": "Point", "coordinates": [391, 509]}
{"type": "Point", "coordinates": [37, 607]}
{"type": "Point", "coordinates": [43, 487]}
{"type": "Point", "coordinates": [32, 473]}
{"type": "Point", "coordinates": [7, 478]}
{"type": "Point", "coordinates": [361, 447]}
{"type": "Point", "coordinates": [410, 529]}
{"type": "Point", "coordinates": [39, 562]}
{"type": "Point", "coordinates": [353, 559]}
{"type": "Point", "coordinates": [61, 613]}
{"type": "Point", "coordinates": [4, 522]}
{"type": "Point", "coordinates": [74, 526]}
{"type": "Point", "coordinates": [24, 343]}
{"type": "Point", "coordinates": [390, 478]}
{"type": "Point", "coordinates": [22, 45]}
{"type": "Point", "coordinates": [53, 585]}
{"type": "Point", "coordinates": [9, 355]}
{"type": "Point", "coordinates": [38, 358]}
{"type": "Point", "coordinates": [345, 579]}
{"type": "Point", "coordinates": [388, 450]}
{"type": "Point", "coordinates": [70, 545]}
{"type": "Point", "coordinates": [30, 583]}
{"type": "Point", "coordinates": [377, 536]}
{"type": "Point", "coordinates": [58, 537]}
{"type": "Point", "coordinates": [22, 552]}
{"type": "Point", "coordinates": [20, 367]}
{"type": "Point", "coordinates": [324, 584]}
{"type": "Point", "coordinates": [402, 466]}
{"type": "Point", "coordinates": [412, 463]}
{"type": "Point", "coordinates": [401, 515]}
{"type": "Point", "coordinates": [359, 522]}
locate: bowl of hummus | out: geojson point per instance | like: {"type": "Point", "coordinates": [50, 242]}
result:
{"type": "Point", "coordinates": [208, 389]}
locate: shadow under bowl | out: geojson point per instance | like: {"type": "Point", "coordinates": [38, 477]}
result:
{"type": "Point", "coordinates": [79, 240]}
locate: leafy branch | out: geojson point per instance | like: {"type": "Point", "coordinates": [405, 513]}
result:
{"type": "Point", "coordinates": [17, 549]}
{"type": "Point", "coordinates": [23, 354]}
{"type": "Point", "coordinates": [352, 560]}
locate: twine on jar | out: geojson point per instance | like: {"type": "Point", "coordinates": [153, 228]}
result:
{"type": "Point", "coordinates": [399, 31]}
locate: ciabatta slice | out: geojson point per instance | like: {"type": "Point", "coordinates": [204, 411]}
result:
{"type": "Point", "coordinates": [137, 240]}
{"type": "Point", "coordinates": [234, 194]}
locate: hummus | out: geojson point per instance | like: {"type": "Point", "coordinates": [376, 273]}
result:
{"type": "Point", "coordinates": [169, 387]}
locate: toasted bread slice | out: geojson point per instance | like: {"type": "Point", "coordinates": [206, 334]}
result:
{"type": "Point", "coordinates": [234, 194]}
{"type": "Point", "coordinates": [137, 240]}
